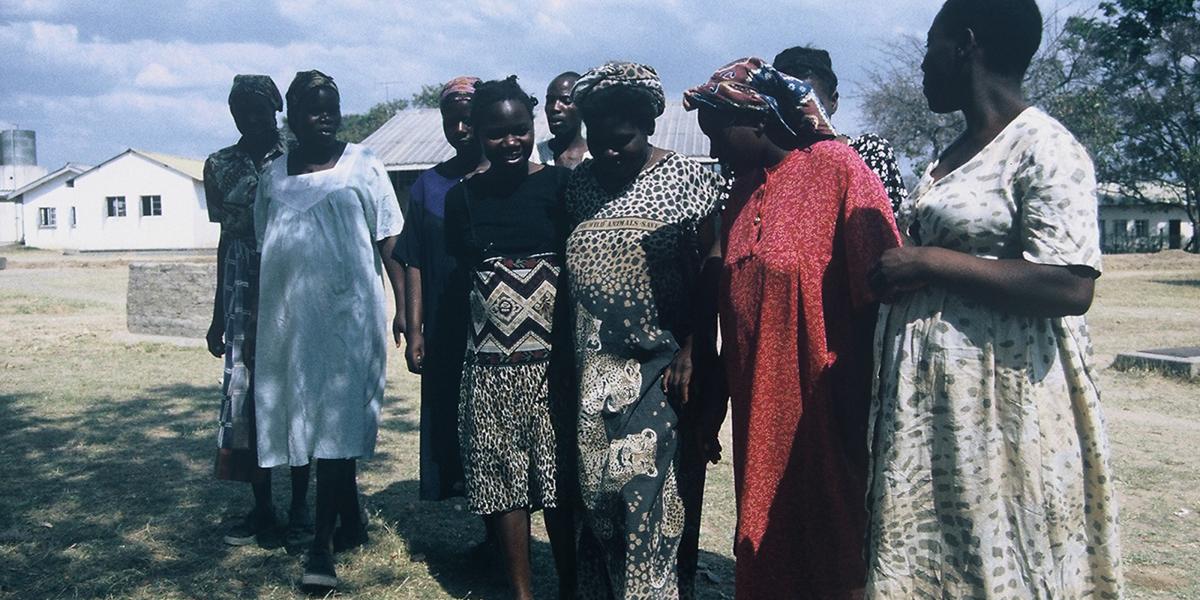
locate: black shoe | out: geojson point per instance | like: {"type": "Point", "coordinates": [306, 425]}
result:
{"type": "Point", "coordinates": [300, 528]}
{"type": "Point", "coordinates": [253, 527]}
{"type": "Point", "coordinates": [318, 569]}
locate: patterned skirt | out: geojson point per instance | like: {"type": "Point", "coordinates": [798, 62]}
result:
{"type": "Point", "coordinates": [237, 453]}
{"type": "Point", "coordinates": [505, 429]}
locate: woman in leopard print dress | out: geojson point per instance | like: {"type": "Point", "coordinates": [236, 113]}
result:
{"type": "Point", "coordinates": [636, 213]}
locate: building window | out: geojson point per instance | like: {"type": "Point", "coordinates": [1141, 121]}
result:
{"type": "Point", "coordinates": [73, 220]}
{"type": "Point", "coordinates": [47, 218]}
{"type": "Point", "coordinates": [1103, 232]}
{"type": "Point", "coordinates": [1141, 228]}
{"type": "Point", "coordinates": [70, 183]}
{"type": "Point", "coordinates": [1120, 228]}
{"type": "Point", "coordinates": [116, 206]}
{"type": "Point", "coordinates": [151, 206]}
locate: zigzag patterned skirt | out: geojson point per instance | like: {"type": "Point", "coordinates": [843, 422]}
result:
{"type": "Point", "coordinates": [504, 423]}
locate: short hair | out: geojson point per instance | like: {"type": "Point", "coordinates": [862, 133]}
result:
{"type": "Point", "coordinates": [1009, 31]}
{"type": "Point", "coordinates": [633, 103]}
{"type": "Point", "coordinates": [488, 93]}
{"type": "Point", "coordinates": [806, 62]}
{"type": "Point", "coordinates": [567, 75]}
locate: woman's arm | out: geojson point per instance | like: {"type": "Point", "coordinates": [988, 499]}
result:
{"type": "Point", "coordinates": [215, 338]}
{"type": "Point", "coordinates": [1013, 285]}
{"type": "Point", "coordinates": [414, 333]}
{"type": "Point", "coordinates": [395, 273]}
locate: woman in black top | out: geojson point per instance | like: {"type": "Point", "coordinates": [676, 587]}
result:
{"type": "Point", "coordinates": [505, 227]}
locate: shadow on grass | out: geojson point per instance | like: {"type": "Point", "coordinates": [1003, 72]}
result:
{"type": "Point", "coordinates": [1178, 282]}
{"type": "Point", "coordinates": [114, 497]}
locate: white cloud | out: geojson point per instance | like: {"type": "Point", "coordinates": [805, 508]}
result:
{"type": "Point", "coordinates": [96, 77]}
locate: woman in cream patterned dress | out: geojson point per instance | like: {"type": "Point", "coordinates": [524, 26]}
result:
{"type": "Point", "coordinates": [990, 471]}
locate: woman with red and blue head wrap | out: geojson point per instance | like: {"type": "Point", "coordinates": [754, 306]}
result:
{"type": "Point", "coordinates": [805, 221]}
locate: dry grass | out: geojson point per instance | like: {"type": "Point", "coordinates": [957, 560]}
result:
{"type": "Point", "coordinates": [108, 444]}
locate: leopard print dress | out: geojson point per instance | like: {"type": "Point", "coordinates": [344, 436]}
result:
{"type": "Point", "coordinates": [629, 256]}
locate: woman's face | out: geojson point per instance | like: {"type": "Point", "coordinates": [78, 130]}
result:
{"type": "Point", "coordinates": [618, 145]}
{"type": "Point", "coordinates": [318, 117]}
{"type": "Point", "coordinates": [254, 116]}
{"type": "Point", "coordinates": [505, 129]}
{"type": "Point", "coordinates": [941, 70]}
{"type": "Point", "coordinates": [729, 142]}
{"type": "Point", "coordinates": [456, 123]}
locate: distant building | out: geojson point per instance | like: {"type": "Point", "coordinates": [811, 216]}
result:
{"type": "Point", "coordinates": [18, 167]}
{"type": "Point", "coordinates": [1158, 220]}
{"type": "Point", "coordinates": [412, 141]}
{"type": "Point", "coordinates": [135, 200]}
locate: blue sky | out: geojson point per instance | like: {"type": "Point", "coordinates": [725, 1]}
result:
{"type": "Point", "coordinates": [93, 78]}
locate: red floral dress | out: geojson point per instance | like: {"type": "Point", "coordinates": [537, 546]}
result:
{"type": "Point", "coordinates": [797, 318]}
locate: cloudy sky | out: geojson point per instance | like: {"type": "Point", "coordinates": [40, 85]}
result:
{"type": "Point", "coordinates": [93, 78]}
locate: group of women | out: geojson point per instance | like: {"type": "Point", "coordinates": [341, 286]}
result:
{"type": "Point", "coordinates": [914, 411]}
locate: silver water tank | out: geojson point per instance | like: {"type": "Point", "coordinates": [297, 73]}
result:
{"type": "Point", "coordinates": [18, 147]}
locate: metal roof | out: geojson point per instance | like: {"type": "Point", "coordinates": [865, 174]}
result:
{"type": "Point", "coordinates": [413, 140]}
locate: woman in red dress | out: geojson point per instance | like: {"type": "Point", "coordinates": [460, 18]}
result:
{"type": "Point", "coordinates": [806, 221]}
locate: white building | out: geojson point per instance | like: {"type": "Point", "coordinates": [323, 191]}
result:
{"type": "Point", "coordinates": [135, 200]}
{"type": "Point", "coordinates": [1156, 220]}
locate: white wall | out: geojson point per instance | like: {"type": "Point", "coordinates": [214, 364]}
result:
{"type": "Point", "coordinates": [52, 194]}
{"type": "Point", "coordinates": [10, 222]}
{"type": "Point", "coordinates": [182, 225]}
{"type": "Point", "coordinates": [1156, 216]}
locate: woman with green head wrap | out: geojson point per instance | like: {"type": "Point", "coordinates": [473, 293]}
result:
{"type": "Point", "coordinates": [230, 183]}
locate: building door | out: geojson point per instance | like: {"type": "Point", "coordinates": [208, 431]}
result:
{"type": "Point", "coordinates": [1174, 237]}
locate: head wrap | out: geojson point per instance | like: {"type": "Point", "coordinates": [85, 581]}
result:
{"type": "Point", "coordinates": [749, 84]}
{"type": "Point", "coordinates": [801, 59]}
{"type": "Point", "coordinates": [463, 85]}
{"type": "Point", "coordinates": [622, 74]}
{"type": "Point", "coordinates": [245, 86]}
{"type": "Point", "coordinates": [308, 80]}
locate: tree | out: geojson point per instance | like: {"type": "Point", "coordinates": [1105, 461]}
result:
{"type": "Point", "coordinates": [429, 96]}
{"type": "Point", "coordinates": [356, 127]}
{"type": "Point", "coordinates": [1148, 54]}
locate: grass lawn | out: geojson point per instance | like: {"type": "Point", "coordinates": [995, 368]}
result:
{"type": "Point", "coordinates": [108, 445]}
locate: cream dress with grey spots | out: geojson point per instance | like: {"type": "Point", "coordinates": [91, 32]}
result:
{"type": "Point", "coordinates": [990, 475]}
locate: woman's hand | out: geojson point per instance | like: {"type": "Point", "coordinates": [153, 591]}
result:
{"type": "Point", "coordinates": [414, 352]}
{"type": "Point", "coordinates": [215, 338]}
{"type": "Point", "coordinates": [399, 325]}
{"type": "Point", "coordinates": [677, 379]}
{"type": "Point", "coordinates": [900, 270]}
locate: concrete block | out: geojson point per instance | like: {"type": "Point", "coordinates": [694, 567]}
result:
{"type": "Point", "coordinates": [173, 299]}
{"type": "Point", "coordinates": [1177, 362]}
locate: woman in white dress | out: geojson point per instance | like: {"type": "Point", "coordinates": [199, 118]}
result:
{"type": "Point", "coordinates": [990, 472]}
{"type": "Point", "coordinates": [326, 219]}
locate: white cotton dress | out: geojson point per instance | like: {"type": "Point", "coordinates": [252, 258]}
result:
{"type": "Point", "coordinates": [323, 325]}
{"type": "Point", "coordinates": [990, 472]}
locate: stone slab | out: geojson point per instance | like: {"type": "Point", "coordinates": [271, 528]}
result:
{"type": "Point", "coordinates": [1177, 362]}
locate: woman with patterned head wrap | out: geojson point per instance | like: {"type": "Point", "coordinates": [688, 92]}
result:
{"type": "Point", "coordinates": [641, 224]}
{"type": "Point", "coordinates": [434, 342]}
{"type": "Point", "coordinates": [814, 67]}
{"type": "Point", "coordinates": [990, 468]}
{"type": "Point", "coordinates": [326, 220]}
{"type": "Point", "coordinates": [805, 222]}
{"type": "Point", "coordinates": [230, 183]}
